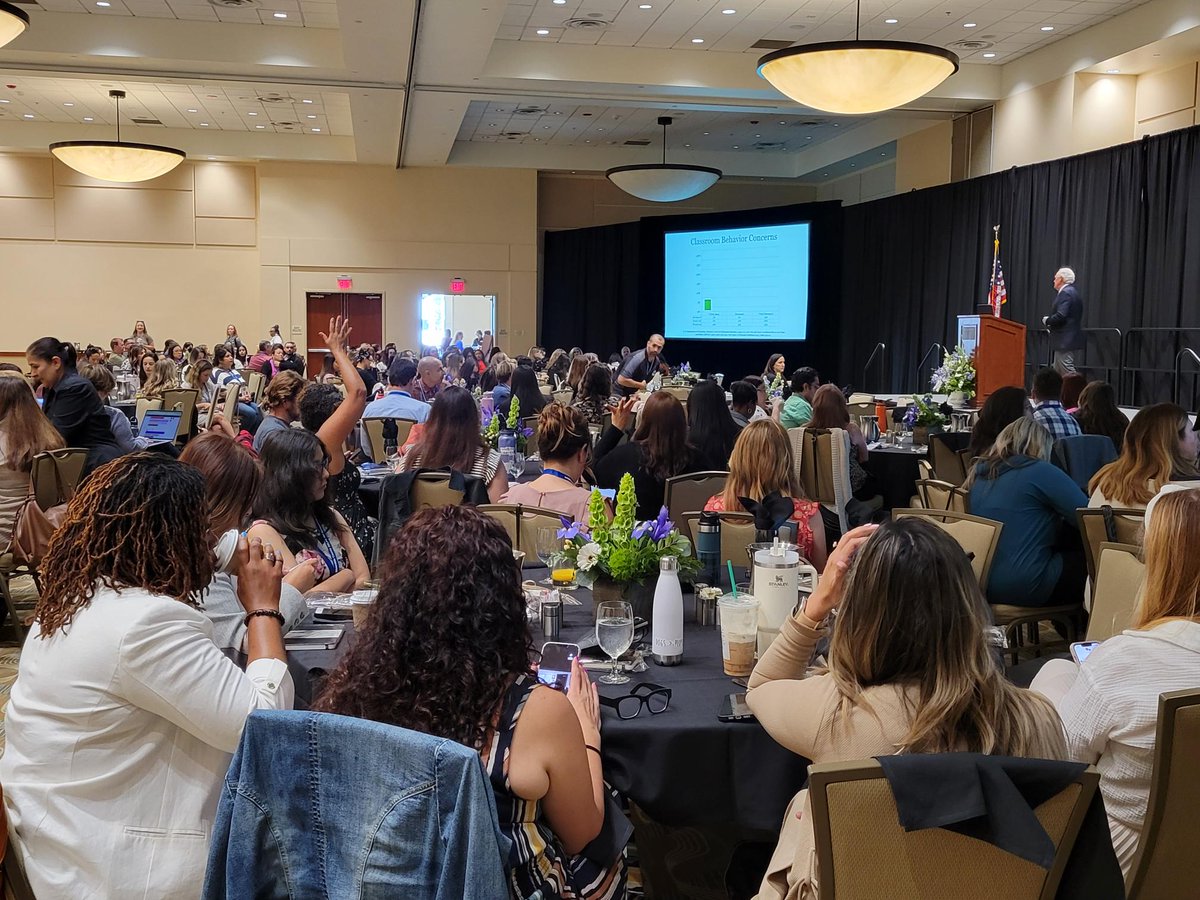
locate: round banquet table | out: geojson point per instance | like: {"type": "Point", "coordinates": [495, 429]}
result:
{"type": "Point", "coordinates": [683, 766]}
{"type": "Point", "coordinates": [895, 470]}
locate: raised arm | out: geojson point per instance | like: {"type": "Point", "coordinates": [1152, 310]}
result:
{"type": "Point", "coordinates": [338, 426]}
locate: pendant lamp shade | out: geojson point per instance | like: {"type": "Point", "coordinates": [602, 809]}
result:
{"type": "Point", "coordinates": [857, 77]}
{"type": "Point", "coordinates": [13, 22]}
{"type": "Point", "coordinates": [119, 161]}
{"type": "Point", "coordinates": [663, 182]}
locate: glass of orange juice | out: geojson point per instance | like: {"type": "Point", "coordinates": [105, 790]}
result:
{"type": "Point", "coordinates": [562, 572]}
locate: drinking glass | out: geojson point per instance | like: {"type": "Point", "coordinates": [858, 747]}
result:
{"type": "Point", "coordinates": [547, 546]}
{"type": "Point", "coordinates": [514, 464]}
{"type": "Point", "coordinates": [614, 634]}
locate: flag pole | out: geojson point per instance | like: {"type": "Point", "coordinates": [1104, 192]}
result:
{"type": "Point", "coordinates": [992, 298]}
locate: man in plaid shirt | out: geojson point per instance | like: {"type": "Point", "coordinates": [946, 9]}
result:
{"type": "Point", "coordinates": [1047, 410]}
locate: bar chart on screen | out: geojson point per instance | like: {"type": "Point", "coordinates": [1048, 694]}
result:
{"type": "Point", "coordinates": [737, 283]}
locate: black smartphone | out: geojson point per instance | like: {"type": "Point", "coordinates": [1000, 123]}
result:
{"type": "Point", "coordinates": [734, 709]}
{"type": "Point", "coordinates": [555, 667]}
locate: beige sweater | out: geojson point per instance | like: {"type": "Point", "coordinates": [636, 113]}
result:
{"type": "Point", "coordinates": [798, 713]}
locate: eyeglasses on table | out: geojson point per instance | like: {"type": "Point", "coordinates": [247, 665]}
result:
{"type": "Point", "coordinates": [653, 697]}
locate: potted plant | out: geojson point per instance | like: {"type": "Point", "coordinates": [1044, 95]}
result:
{"type": "Point", "coordinates": [956, 377]}
{"type": "Point", "coordinates": [619, 560]}
{"type": "Point", "coordinates": [924, 417]}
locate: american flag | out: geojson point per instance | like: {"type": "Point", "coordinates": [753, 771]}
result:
{"type": "Point", "coordinates": [998, 295]}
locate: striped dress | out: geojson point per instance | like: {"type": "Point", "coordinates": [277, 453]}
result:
{"type": "Point", "coordinates": [539, 868]}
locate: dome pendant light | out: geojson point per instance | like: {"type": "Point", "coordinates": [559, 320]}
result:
{"type": "Point", "coordinates": [663, 183]}
{"type": "Point", "coordinates": [13, 22]}
{"type": "Point", "coordinates": [857, 77]}
{"type": "Point", "coordinates": [118, 160]}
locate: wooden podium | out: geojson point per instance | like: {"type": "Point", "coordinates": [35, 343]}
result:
{"type": "Point", "coordinates": [999, 349]}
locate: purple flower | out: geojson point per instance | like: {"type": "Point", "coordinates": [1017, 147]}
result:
{"type": "Point", "coordinates": [571, 530]}
{"type": "Point", "coordinates": [656, 530]}
{"type": "Point", "coordinates": [527, 432]}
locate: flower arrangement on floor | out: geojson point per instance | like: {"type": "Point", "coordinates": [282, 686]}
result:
{"type": "Point", "coordinates": [623, 550]}
{"type": "Point", "coordinates": [923, 413]}
{"type": "Point", "coordinates": [494, 423]}
{"type": "Point", "coordinates": [956, 374]}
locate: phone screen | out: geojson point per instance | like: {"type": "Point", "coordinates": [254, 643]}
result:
{"type": "Point", "coordinates": [734, 708]}
{"type": "Point", "coordinates": [1080, 651]}
{"type": "Point", "coordinates": [555, 668]}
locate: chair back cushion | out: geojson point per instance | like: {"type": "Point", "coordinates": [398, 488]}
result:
{"type": "Point", "coordinates": [1119, 578]}
{"type": "Point", "coordinates": [689, 493]}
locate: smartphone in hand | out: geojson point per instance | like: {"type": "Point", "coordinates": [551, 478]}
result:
{"type": "Point", "coordinates": [555, 667]}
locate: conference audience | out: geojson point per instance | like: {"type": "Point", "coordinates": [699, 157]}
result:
{"type": "Point", "coordinates": [557, 367]}
{"type": "Point", "coordinates": [659, 450]}
{"type": "Point", "coordinates": [224, 375]}
{"type": "Point", "coordinates": [70, 402]}
{"type": "Point", "coordinates": [1159, 447]}
{"type": "Point", "coordinates": [1109, 703]}
{"type": "Point", "coordinates": [1098, 412]}
{"type": "Point", "coordinates": [743, 406]}
{"type": "Point", "coordinates": [1039, 560]}
{"type": "Point", "coordinates": [524, 386]}
{"type": "Point", "coordinates": [164, 376]}
{"type": "Point", "coordinates": [1072, 386]}
{"type": "Point", "coordinates": [564, 443]}
{"type": "Point", "coordinates": [445, 651]}
{"type": "Point", "coordinates": [146, 361]}
{"type": "Point", "coordinates": [122, 429]}
{"type": "Point", "coordinates": [579, 366]}
{"type": "Point", "coordinates": [398, 402]}
{"type": "Point", "coordinates": [271, 366]}
{"type": "Point", "coordinates": [452, 440]}
{"type": "Point", "coordinates": [595, 396]}
{"type": "Point", "coordinates": [830, 410]}
{"type": "Point", "coordinates": [496, 379]}
{"type": "Point", "coordinates": [292, 512]}
{"type": "Point", "coordinates": [282, 402]}
{"type": "Point", "coordinates": [910, 671]}
{"type": "Point", "coordinates": [762, 464]}
{"type": "Point", "coordinates": [292, 360]}
{"type": "Point", "coordinates": [796, 410]}
{"type": "Point", "coordinates": [125, 714]}
{"type": "Point", "coordinates": [1047, 409]}
{"type": "Point", "coordinates": [1003, 407]}
{"type": "Point", "coordinates": [199, 378]}
{"type": "Point", "coordinates": [429, 378]}
{"type": "Point", "coordinates": [711, 428]}
{"type": "Point", "coordinates": [24, 433]}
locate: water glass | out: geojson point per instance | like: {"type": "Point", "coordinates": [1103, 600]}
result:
{"type": "Point", "coordinates": [547, 545]}
{"type": "Point", "coordinates": [614, 634]}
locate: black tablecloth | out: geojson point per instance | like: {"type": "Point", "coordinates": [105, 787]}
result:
{"type": "Point", "coordinates": [895, 469]}
{"type": "Point", "coordinates": [683, 766]}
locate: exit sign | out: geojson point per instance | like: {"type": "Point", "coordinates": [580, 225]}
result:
{"type": "Point", "coordinates": [457, 285]}
{"type": "Point", "coordinates": [345, 283]}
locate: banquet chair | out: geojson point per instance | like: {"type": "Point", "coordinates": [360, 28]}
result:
{"type": "Point", "coordinates": [256, 382]}
{"type": "Point", "coordinates": [530, 422]}
{"type": "Point", "coordinates": [936, 494]}
{"type": "Point", "coordinates": [546, 390]}
{"type": "Point", "coordinates": [1107, 523]}
{"type": "Point", "coordinates": [229, 405]}
{"type": "Point", "coordinates": [563, 397]}
{"type": "Point", "coordinates": [1167, 866]}
{"type": "Point", "coordinates": [861, 408]}
{"type": "Point", "coordinates": [679, 393]}
{"type": "Point", "coordinates": [56, 474]}
{"type": "Point", "coordinates": [978, 536]}
{"type": "Point", "coordinates": [686, 493]}
{"type": "Point", "coordinates": [529, 520]}
{"type": "Point", "coordinates": [821, 458]}
{"type": "Point", "coordinates": [144, 406]}
{"type": "Point", "coordinates": [864, 853]}
{"type": "Point", "coordinates": [737, 534]}
{"type": "Point", "coordinates": [431, 490]}
{"type": "Point", "coordinates": [1119, 578]}
{"type": "Point", "coordinates": [947, 464]}
{"type": "Point", "coordinates": [378, 437]}
{"type": "Point", "coordinates": [507, 515]}
{"type": "Point", "coordinates": [184, 400]}
{"type": "Point", "coordinates": [925, 469]}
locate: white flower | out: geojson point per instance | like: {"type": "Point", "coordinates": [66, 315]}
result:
{"type": "Point", "coordinates": [589, 555]}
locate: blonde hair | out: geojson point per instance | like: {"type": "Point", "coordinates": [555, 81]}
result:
{"type": "Point", "coordinates": [163, 377]}
{"type": "Point", "coordinates": [1023, 437]}
{"type": "Point", "coordinates": [913, 617]}
{"type": "Point", "coordinates": [1172, 586]}
{"type": "Point", "coordinates": [1149, 457]}
{"type": "Point", "coordinates": [761, 462]}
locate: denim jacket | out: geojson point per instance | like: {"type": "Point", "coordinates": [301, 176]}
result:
{"type": "Point", "coordinates": [319, 806]}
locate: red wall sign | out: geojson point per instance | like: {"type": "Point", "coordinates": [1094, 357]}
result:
{"type": "Point", "coordinates": [457, 285]}
{"type": "Point", "coordinates": [345, 284]}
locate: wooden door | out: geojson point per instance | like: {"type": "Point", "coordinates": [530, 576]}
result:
{"type": "Point", "coordinates": [321, 307]}
{"type": "Point", "coordinates": [366, 318]}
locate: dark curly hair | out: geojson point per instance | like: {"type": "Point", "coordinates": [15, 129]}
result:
{"type": "Point", "coordinates": [317, 404]}
{"type": "Point", "coordinates": [114, 532]}
{"type": "Point", "coordinates": [447, 634]}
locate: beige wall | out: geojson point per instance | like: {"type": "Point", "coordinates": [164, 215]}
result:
{"type": "Point", "coordinates": [923, 158]}
{"type": "Point", "coordinates": [213, 243]}
{"type": "Point", "coordinates": [1034, 125]}
{"type": "Point", "coordinates": [1166, 100]}
{"type": "Point", "coordinates": [869, 184]}
{"type": "Point", "coordinates": [1102, 111]}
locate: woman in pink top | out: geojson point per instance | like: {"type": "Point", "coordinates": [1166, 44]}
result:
{"type": "Point", "coordinates": [761, 464]}
{"type": "Point", "coordinates": [564, 442]}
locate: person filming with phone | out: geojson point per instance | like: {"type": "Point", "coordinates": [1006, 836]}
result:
{"type": "Point", "coordinates": [445, 650]}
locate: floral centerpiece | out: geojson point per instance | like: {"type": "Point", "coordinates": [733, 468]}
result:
{"type": "Point", "coordinates": [924, 417]}
{"type": "Point", "coordinates": [686, 375]}
{"type": "Point", "coordinates": [775, 388]}
{"type": "Point", "coordinates": [494, 423]}
{"type": "Point", "coordinates": [955, 376]}
{"type": "Point", "coordinates": [620, 559]}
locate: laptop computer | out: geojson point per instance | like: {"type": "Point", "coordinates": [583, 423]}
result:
{"type": "Point", "coordinates": [160, 424]}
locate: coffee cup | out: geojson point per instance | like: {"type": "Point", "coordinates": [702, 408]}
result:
{"type": "Point", "coordinates": [739, 633]}
{"type": "Point", "coordinates": [361, 604]}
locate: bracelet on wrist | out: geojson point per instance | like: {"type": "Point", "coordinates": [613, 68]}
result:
{"type": "Point", "coordinates": [595, 750]}
{"type": "Point", "coordinates": [271, 613]}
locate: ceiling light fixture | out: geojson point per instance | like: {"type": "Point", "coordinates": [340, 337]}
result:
{"type": "Point", "coordinates": [728, 12]}
{"type": "Point", "coordinates": [117, 161]}
{"type": "Point", "coordinates": [697, 40]}
{"type": "Point", "coordinates": [644, 6]}
{"type": "Point", "coordinates": [103, 3]}
{"type": "Point", "coordinates": [88, 119]}
{"type": "Point", "coordinates": [1047, 28]}
{"type": "Point", "coordinates": [280, 15]}
{"type": "Point", "coordinates": [663, 182]}
{"type": "Point", "coordinates": [890, 21]}
{"type": "Point", "coordinates": [306, 101]}
{"type": "Point", "coordinates": [13, 22]}
{"type": "Point", "coordinates": [543, 31]}
{"type": "Point", "coordinates": [969, 25]}
{"type": "Point", "coordinates": [1112, 71]}
{"type": "Point", "coordinates": [857, 77]}
{"type": "Point", "coordinates": [989, 56]}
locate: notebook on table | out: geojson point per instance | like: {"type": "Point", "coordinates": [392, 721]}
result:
{"type": "Point", "coordinates": [160, 425]}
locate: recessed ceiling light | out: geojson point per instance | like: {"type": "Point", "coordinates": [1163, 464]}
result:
{"type": "Point", "coordinates": [808, 138]}
{"type": "Point", "coordinates": [316, 129]}
{"type": "Point", "coordinates": [212, 157]}
{"type": "Point", "coordinates": [644, 6]}
{"type": "Point", "coordinates": [280, 15]}
{"type": "Point", "coordinates": [260, 126]}
{"type": "Point", "coordinates": [969, 25]}
{"type": "Point", "coordinates": [193, 110]}
{"type": "Point", "coordinates": [1047, 28]}
{"type": "Point", "coordinates": [103, 3]}
{"type": "Point", "coordinates": [306, 101]}
{"type": "Point", "coordinates": [203, 124]}
{"type": "Point", "coordinates": [1112, 72]}
{"type": "Point", "coordinates": [697, 40]}
{"type": "Point", "coordinates": [989, 56]}
{"type": "Point", "coordinates": [88, 119]}
{"type": "Point", "coordinates": [28, 116]}
{"type": "Point", "coordinates": [890, 21]}
{"type": "Point", "coordinates": [68, 104]}
{"type": "Point", "coordinates": [252, 114]}
{"type": "Point", "coordinates": [310, 117]}
{"type": "Point", "coordinates": [543, 31]}
{"type": "Point", "coordinates": [824, 174]}
{"type": "Point", "coordinates": [560, 2]}
{"type": "Point", "coordinates": [728, 12]}
{"type": "Point", "coordinates": [735, 146]}
{"type": "Point", "coordinates": [706, 132]}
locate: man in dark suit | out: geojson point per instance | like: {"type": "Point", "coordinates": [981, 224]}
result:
{"type": "Point", "coordinates": [1065, 321]}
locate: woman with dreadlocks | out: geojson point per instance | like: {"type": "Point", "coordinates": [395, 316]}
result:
{"type": "Point", "coordinates": [125, 714]}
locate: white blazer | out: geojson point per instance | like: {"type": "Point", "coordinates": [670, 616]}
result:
{"type": "Point", "coordinates": [119, 731]}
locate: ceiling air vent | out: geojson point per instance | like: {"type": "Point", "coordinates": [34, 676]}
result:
{"type": "Point", "coordinates": [529, 110]}
{"type": "Point", "coordinates": [595, 24]}
{"type": "Point", "coordinates": [971, 45]}
{"type": "Point", "coordinates": [808, 123]}
{"type": "Point", "coordinates": [637, 143]}
{"type": "Point", "coordinates": [770, 145]}
{"type": "Point", "coordinates": [768, 44]}
{"type": "Point", "coordinates": [274, 98]}
{"type": "Point", "coordinates": [234, 4]}
{"type": "Point", "coordinates": [136, 121]}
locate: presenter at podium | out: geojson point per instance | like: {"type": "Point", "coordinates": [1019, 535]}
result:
{"type": "Point", "coordinates": [1065, 321]}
